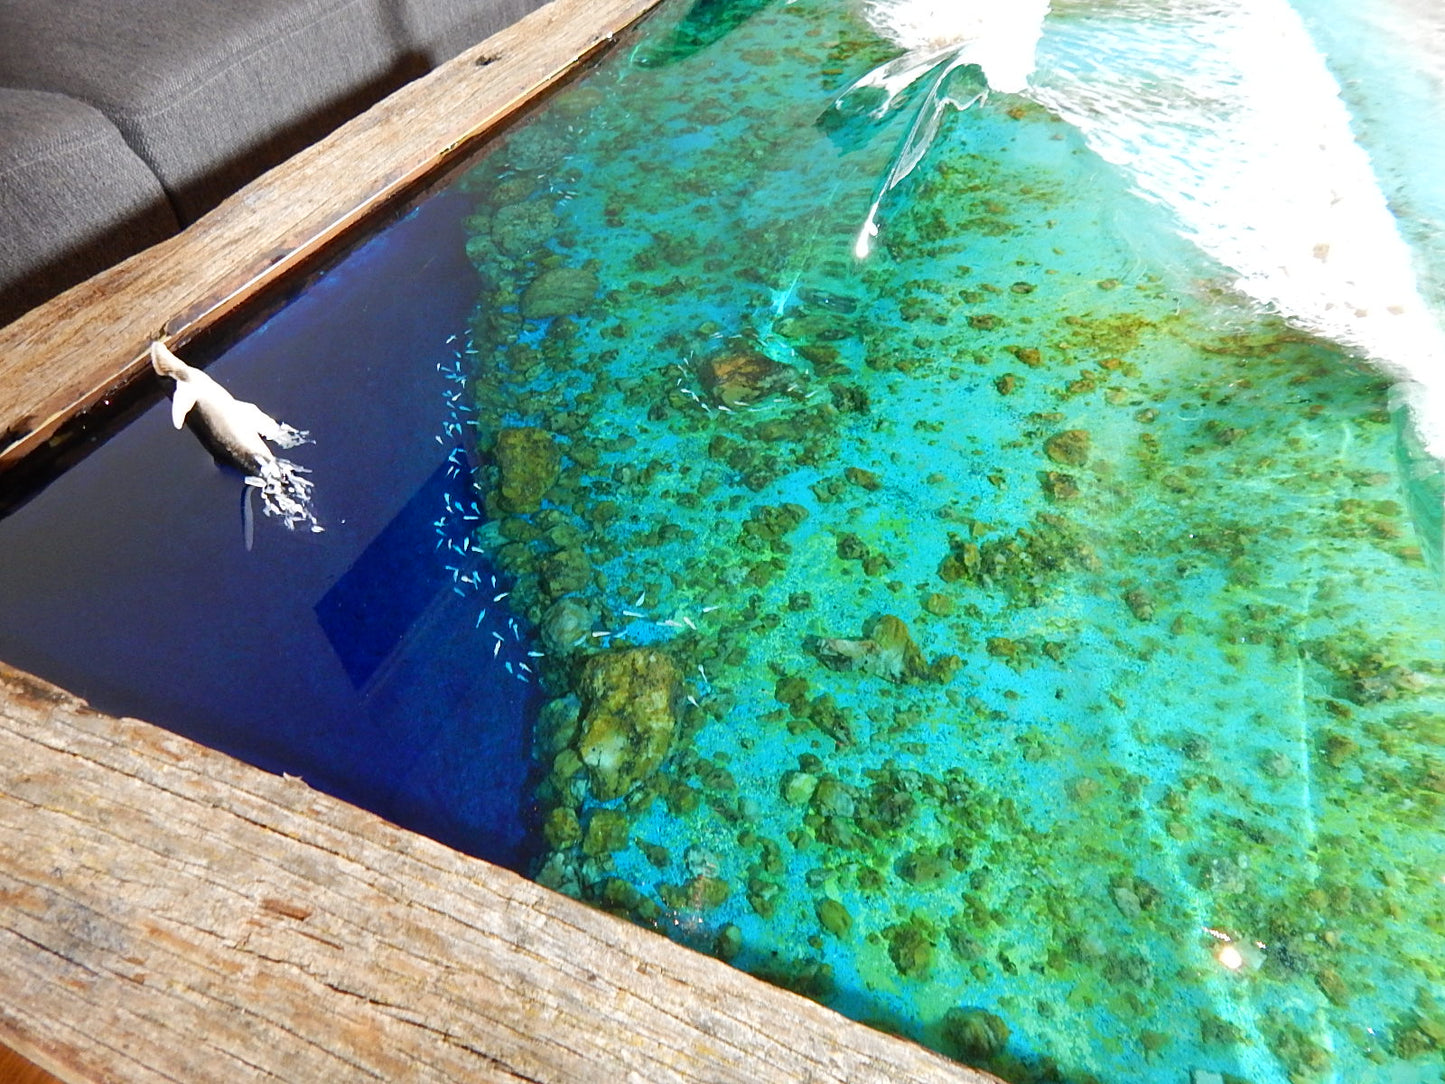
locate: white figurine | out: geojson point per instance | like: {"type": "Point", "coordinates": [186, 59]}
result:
{"type": "Point", "coordinates": [236, 434]}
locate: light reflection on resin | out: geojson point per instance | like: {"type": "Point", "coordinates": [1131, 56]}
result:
{"type": "Point", "coordinates": [1016, 639]}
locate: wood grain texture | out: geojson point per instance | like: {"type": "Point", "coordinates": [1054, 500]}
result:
{"type": "Point", "coordinates": [67, 355]}
{"type": "Point", "coordinates": [170, 914]}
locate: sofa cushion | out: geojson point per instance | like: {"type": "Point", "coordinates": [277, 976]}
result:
{"type": "Point", "coordinates": [74, 199]}
{"type": "Point", "coordinates": [209, 94]}
{"type": "Point", "coordinates": [437, 30]}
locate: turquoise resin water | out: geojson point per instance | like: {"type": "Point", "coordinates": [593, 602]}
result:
{"type": "Point", "coordinates": [1158, 790]}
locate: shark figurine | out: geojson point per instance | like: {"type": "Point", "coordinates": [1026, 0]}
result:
{"type": "Point", "coordinates": [236, 433]}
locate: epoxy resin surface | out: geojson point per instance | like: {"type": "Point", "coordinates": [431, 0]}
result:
{"type": "Point", "coordinates": [923, 551]}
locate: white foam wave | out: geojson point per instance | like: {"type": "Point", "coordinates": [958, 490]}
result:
{"type": "Point", "coordinates": [1000, 36]}
{"type": "Point", "coordinates": [1228, 115]}
{"type": "Point", "coordinates": [938, 39]}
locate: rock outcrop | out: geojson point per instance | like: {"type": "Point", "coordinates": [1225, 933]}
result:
{"type": "Point", "coordinates": [628, 716]}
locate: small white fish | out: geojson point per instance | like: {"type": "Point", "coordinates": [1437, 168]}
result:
{"type": "Point", "coordinates": [671, 624]}
{"type": "Point", "coordinates": [498, 598]}
{"type": "Point", "coordinates": [632, 613]}
{"type": "Point", "coordinates": [536, 654]}
{"type": "Point", "coordinates": [496, 648]}
{"type": "Point", "coordinates": [701, 671]}
{"type": "Point", "coordinates": [688, 622]}
{"type": "Point", "coordinates": [601, 635]}
{"type": "Point", "coordinates": [451, 339]}
{"type": "Point", "coordinates": [640, 599]}
{"type": "Point", "coordinates": [480, 618]}
{"type": "Point", "coordinates": [710, 609]}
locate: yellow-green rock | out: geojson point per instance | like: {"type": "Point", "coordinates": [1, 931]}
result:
{"type": "Point", "coordinates": [528, 460]}
{"type": "Point", "coordinates": [606, 833]}
{"type": "Point", "coordinates": [974, 1033]}
{"type": "Point", "coordinates": [628, 717]}
{"type": "Point", "coordinates": [834, 917]}
{"type": "Point", "coordinates": [559, 292]}
{"type": "Point", "coordinates": [561, 827]}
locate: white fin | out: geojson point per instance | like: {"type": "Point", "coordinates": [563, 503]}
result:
{"type": "Point", "coordinates": [165, 363]}
{"type": "Point", "coordinates": [182, 401]}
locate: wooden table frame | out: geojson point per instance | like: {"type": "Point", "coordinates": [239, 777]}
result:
{"type": "Point", "coordinates": [168, 913]}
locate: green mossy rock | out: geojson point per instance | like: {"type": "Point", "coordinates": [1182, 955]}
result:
{"type": "Point", "coordinates": [910, 947]}
{"type": "Point", "coordinates": [565, 623]}
{"type": "Point", "coordinates": [561, 828]}
{"type": "Point", "coordinates": [606, 833]}
{"type": "Point", "coordinates": [564, 572]}
{"type": "Point", "coordinates": [628, 717]}
{"type": "Point", "coordinates": [974, 1033]}
{"type": "Point", "coordinates": [528, 460]}
{"type": "Point", "coordinates": [834, 917]}
{"type": "Point", "coordinates": [728, 943]}
{"type": "Point", "coordinates": [923, 869]}
{"type": "Point", "coordinates": [702, 893]}
{"type": "Point", "coordinates": [797, 788]}
{"type": "Point", "coordinates": [519, 229]}
{"type": "Point", "coordinates": [561, 291]}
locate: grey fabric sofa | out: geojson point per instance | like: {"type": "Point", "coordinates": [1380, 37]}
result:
{"type": "Point", "coordinates": [121, 121]}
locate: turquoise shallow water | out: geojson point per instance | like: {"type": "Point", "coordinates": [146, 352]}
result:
{"type": "Point", "coordinates": [1015, 639]}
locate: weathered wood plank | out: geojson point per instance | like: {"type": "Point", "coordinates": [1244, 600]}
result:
{"type": "Point", "coordinates": [67, 355]}
{"type": "Point", "coordinates": [170, 914]}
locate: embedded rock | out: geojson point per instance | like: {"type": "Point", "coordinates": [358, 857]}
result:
{"type": "Point", "coordinates": [606, 833]}
{"type": "Point", "coordinates": [975, 1033]}
{"type": "Point", "coordinates": [1071, 447]}
{"type": "Point", "coordinates": [834, 917]}
{"type": "Point", "coordinates": [520, 229]}
{"type": "Point", "coordinates": [888, 651]}
{"type": "Point", "coordinates": [739, 375]}
{"type": "Point", "coordinates": [566, 623]}
{"type": "Point", "coordinates": [528, 460]}
{"type": "Point", "coordinates": [565, 571]}
{"type": "Point", "coordinates": [560, 291]}
{"type": "Point", "coordinates": [628, 717]}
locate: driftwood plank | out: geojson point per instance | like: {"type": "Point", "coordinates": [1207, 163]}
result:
{"type": "Point", "coordinates": [170, 914]}
{"type": "Point", "coordinates": [67, 355]}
